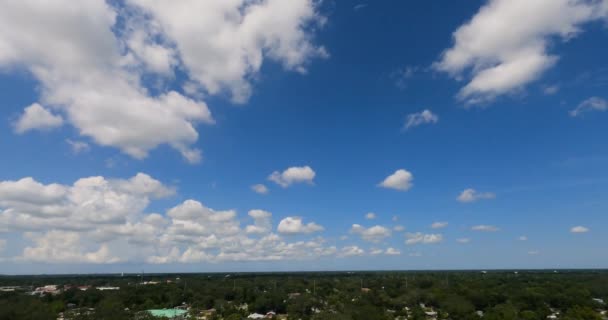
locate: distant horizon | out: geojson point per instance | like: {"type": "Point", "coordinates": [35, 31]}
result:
{"type": "Point", "coordinates": [131, 274]}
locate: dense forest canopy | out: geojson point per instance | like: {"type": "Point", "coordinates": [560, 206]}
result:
{"type": "Point", "coordinates": [352, 295]}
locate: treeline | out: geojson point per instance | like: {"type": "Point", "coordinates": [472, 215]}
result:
{"type": "Point", "coordinates": [357, 296]}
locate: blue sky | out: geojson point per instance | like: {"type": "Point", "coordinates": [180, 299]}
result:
{"type": "Point", "coordinates": [505, 150]}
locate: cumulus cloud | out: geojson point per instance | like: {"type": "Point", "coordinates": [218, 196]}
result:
{"type": "Point", "coordinates": [372, 234]}
{"type": "Point", "coordinates": [502, 57]}
{"type": "Point", "coordinates": [293, 175]}
{"type": "Point", "coordinates": [351, 251]}
{"type": "Point", "coordinates": [100, 220]}
{"type": "Point", "coordinates": [420, 118]}
{"type": "Point", "coordinates": [589, 105]}
{"type": "Point", "coordinates": [485, 228]}
{"type": "Point", "coordinates": [63, 247]}
{"type": "Point", "coordinates": [262, 223]}
{"type": "Point", "coordinates": [36, 117]}
{"type": "Point", "coordinates": [392, 252]}
{"type": "Point", "coordinates": [294, 225]}
{"type": "Point", "coordinates": [400, 180]}
{"type": "Point", "coordinates": [471, 195]}
{"type": "Point", "coordinates": [90, 67]}
{"type": "Point", "coordinates": [439, 225]}
{"type": "Point", "coordinates": [579, 229]}
{"type": "Point", "coordinates": [398, 228]}
{"type": "Point", "coordinates": [78, 146]}
{"type": "Point", "coordinates": [370, 216]}
{"type": "Point", "coordinates": [420, 238]}
{"type": "Point", "coordinates": [260, 189]}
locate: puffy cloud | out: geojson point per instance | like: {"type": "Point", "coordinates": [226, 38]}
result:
{"type": "Point", "coordinates": [99, 220]}
{"type": "Point", "coordinates": [375, 252]}
{"type": "Point", "coordinates": [260, 189]}
{"type": "Point", "coordinates": [463, 240]}
{"type": "Point", "coordinates": [262, 223]}
{"type": "Point", "coordinates": [87, 204]}
{"type": "Point", "coordinates": [223, 44]}
{"type": "Point", "coordinates": [401, 180]}
{"type": "Point", "coordinates": [293, 175]}
{"type": "Point", "coordinates": [485, 228]}
{"type": "Point", "coordinates": [63, 247]}
{"type": "Point", "coordinates": [78, 146]}
{"type": "Point", "coordinates": [579, 229]}
{"type": "Point", "coordinates": [90, 67]}
{"type": "Point", "coordinates": [503, 57]}
{"type": "Point", "coordinates": [372, 234]}
{"type": "Point", "coordinates": [351, 251]}
{"type": "Point", "coordinates": [471, 195]}
{"type": "Point", "coordinates": [591, 104]}
{"type": "Point", "coordinates": [392, 252]}
{"type": "Point", "coordinates": [420, 238]}
{"type": "Point", "coordinates": [439, 225]}
{"type": "Point", "coordinates": [36, 117]}
{"type": "Point", "coordinates": [294, 225]}
{"type": "Point", "coordinates": [420, 118]}
{"type": "Point", "coordinates": [370, 216]}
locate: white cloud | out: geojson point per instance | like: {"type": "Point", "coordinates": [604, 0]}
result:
{"type": "Point", "coordinates": [533, 252]}
{"type": "Point", "coordinates": [591, 104]}
{"type": "Point", "coordinates": [351, 251]}
{"type": "Point", "coordinates": [36, 117]}
{"type": "Point", "coordinates": [223, 44]}
{"type": "Point", "coordinates": [78, 146]}
{"type": "Point", "coordinates": [262, 223]}
{"type": "Point", "coordinates": [550, 90]}
{"type": "Point", "coordinates": [502, 56]}
{"type": "Point", "coordinates": [419, 237]}
{"type": "Point", "coordinates": [372, 234]}
{"type": "Point", "coordinates": [360, 6]}
{"type": "Point", "coordinates": [485, 228]}
{"type": "Point", "coordinates": [579, 229]}
{"type": "Point", "coordinates": [370, 216]}
{"type": "Point", "coordinates": [522, 238]}
{"type": "Point", "coordinates": [471, 195]}
{"type": "Point", "coordinates": [392, 252]}
{"type": "Point", "coordinates": [375, 252]}
{"type": "Point", "coordinates": [401, 180]}
{"type": "Point", "coordinates": [463, 240]}
{"type": "Point", "coordinates": [99, 220]}
{"type": "Point", "coordinates": [439, 225]}
{"type": "Point", "coordinates": [294, 225]}
{"type": "Point", "coordinates": [63, 247]}
{"type": "Point", "coordinates": [420, 118]}
{"type": "Point", "coordinates": [293, 175]}
{"type": "Point", "coordinates": [398, 228]}
{"type": "Point", "coordinates": [260, 189]}
{"type": "Point", "coordinates": [92, 75]}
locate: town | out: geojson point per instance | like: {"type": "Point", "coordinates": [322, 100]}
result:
{"type": "Point", "coordinates": [527, 295]}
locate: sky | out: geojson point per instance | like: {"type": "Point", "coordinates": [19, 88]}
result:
{"type": "Point", "coordinates": [271, 135]}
